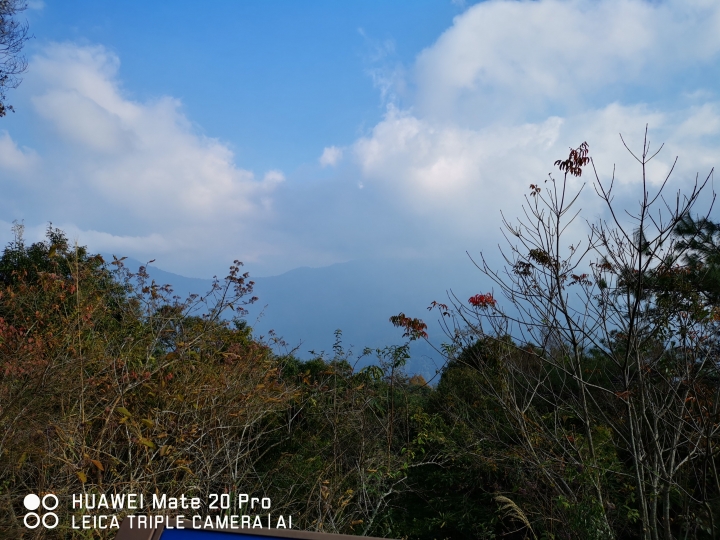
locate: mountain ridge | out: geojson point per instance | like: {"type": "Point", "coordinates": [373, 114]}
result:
{"type": "Point", "coordinates": [305, 306]}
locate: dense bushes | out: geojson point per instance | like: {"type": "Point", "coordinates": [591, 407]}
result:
{"type": "Point", "coordinates": [113, 389]}
{"type": "Point", "coordinates": [108, 384]}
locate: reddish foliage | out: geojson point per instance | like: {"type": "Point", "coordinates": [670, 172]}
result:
{"type": "Point", "coordinates": [482, 300]}
{"type": "Point", "coordinates": [414, 328]}
{"type": "Point", "coordinates": [442, 307]}
{"type": "Point", "coordinates": [582, 279]}
{"type": "Point", "coordinates": [577, 159]}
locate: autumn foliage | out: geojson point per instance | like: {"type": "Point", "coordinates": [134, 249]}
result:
{"type": "Point", "coordinates": [414, 328]}
{"type": "Point", "coordinates": [482, 301]}
{"type": "Point", "coordinates": [109, 384]}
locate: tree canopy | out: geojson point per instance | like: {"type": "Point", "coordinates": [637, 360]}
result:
{"type": "Point", "coordinates": [13, 35]}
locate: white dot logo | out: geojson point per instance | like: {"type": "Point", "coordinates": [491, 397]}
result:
{"type": "Point", "coordinates": [32, 502]}
{"type": "Point", "coordinates": [32, 519]}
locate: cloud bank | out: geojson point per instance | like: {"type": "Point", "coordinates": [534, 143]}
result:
{"type": "Point", "coordinates": [511, 86]}
{"type": "Point", "coordinates": [124, 173]}
{"type": "Point", "coordinates": [487, 108]}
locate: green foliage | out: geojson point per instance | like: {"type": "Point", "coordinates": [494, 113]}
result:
{"type": "Point", "coordinates": [108, 384]}
{"type": "Point", "coordinates": [699, 244]}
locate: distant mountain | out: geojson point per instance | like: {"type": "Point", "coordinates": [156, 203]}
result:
{"type": "Point", "coordinates": [306, 305]}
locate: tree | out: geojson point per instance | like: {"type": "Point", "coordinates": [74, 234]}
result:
{"type": "Point", "coordinates": [13, 36]}
{"type": "Point", "coordinates": [608, 386]}
{"type": "Point", "coordinates": [108, 383]}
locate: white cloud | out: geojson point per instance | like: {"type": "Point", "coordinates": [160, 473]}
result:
{"type": "Point", "coordinates": [119, 244]}
{"type": "Point", "coordinates": [511, 86]}
{"type": "Point", "coordinates": [331, 156]}
{"type": "Point", "coordinates": [144, 157]}
{"type": "Point", "coordinates": [456, 181]}
{"type": "Point", "coordinates": [523, 56]}
{"type": "Point", "coordinates": [132, 170]}
{"type": "Point", "coordinates": [14, 159]}
{"type": "Point", "coordinates": [388, 75]}
{"type": "Point", "coordinates": [435, 164]}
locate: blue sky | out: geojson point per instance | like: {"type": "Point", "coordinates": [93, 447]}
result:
{"type": "Point", "coordinates": [276, 80]}
{"type": "Point", "coordinates": [288, 134]}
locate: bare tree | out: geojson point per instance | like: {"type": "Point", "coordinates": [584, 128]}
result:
{"type": "Point", "coordinates": [604, 361]}
{"type": "Point", "coordinates": [13, 35]}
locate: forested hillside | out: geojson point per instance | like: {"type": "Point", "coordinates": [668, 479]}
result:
{"type": "Point", "coordinates": [109, 386]}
